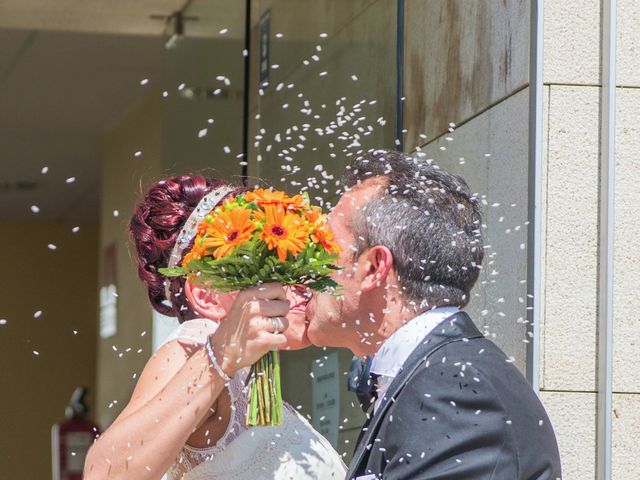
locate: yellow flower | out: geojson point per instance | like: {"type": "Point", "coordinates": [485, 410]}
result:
{"type": "Point", "coordinates": [228, 229]}
{"type": "Point", "coordinates": [284, 231]}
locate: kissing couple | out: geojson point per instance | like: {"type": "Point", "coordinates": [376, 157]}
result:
{"type": "Point", "coordinates": [442, 401]}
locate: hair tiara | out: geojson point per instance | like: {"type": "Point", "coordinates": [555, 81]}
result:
{"type": "Point", "coordinates": [189, 229]}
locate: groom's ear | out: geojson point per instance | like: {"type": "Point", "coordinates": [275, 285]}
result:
{"type": "Point", "coordinates": [207, 302]}
{"type": "Point", "coordinates": [378, 262]}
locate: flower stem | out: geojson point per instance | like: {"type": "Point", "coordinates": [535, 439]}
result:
{"type": "Point", "coordinates": [265, 397]}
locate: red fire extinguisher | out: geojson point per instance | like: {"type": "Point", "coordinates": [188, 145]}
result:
{"type": "Point", "coordinates": [71, 439]}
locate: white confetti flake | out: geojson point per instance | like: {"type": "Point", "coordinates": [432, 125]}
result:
{"type": "Point", "coordinates": [165, 94]}
{"type": "Point", "coordinates": [51, 246]}
{"type": "Point", "coordinates": [38, 314]}
{"type": "Point", "coordinates": [279, 35]}
{"type": "Point", "coordinates": [137, 153]}
{"type": "Point", "coordinates": [70, 180]}
{"type": "Point", "coordinates": [35, 209]}
{"type": "Point", "coordinates": [224, 31]}
{"type": "Point", "coordinates": [144, 81]}
{"type": "Point", "coordinates": [44, 170]}
{"type": "Point", "coordinates": [116, 213]}
{"type": "Point", "coordinates": [3, 321]}
{"type": "Point", "coordinates": [75, 229]}
{"type": "Point", "coordinates": [36, 353]}
{"type": "Point", "coordinates": [323, 35]}
{"type": "Point", "coordinates": [202, 133]}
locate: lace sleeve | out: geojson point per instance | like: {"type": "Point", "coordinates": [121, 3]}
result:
{"type": "Point", "coordinates": [197, 331]}
{"type": "Point", "coordinates": [193, 331]}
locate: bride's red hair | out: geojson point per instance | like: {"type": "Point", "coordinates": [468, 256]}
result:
{"type": "Point", "coordinates": [156, 222]}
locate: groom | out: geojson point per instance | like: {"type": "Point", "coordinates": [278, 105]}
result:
{"type": "Point", "coordinates": [443, 401]}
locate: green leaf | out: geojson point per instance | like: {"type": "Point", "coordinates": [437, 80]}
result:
{"type": "Point", "coordinates": [173, 272]}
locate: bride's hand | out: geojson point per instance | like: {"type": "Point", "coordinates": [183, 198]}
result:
{"type": "Point", "coordinates": [248, 331]}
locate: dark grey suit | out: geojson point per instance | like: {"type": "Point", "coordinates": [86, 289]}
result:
{"type": "Point", "coordinates": [458, 410]}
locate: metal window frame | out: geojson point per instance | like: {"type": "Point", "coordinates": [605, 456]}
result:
{"type": "Point", "coordinates": [534, 240]}
{"type": "Point", "coordinates": [606, 242]}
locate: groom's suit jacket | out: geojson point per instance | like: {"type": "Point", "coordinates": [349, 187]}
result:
{"type": "Point", "coordinates": [457, 410]}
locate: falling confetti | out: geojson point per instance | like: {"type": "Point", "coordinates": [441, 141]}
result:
{"type": "Point", "coordinates": [70, 180]}
{"type": "Point", "coordinates": [51, 246]}
{"type": "Point", "coordinates": [35, 209]}
{"type": "Point", "coordinates": [44, 170]}
{"type": "Point", "coordinates": [3, 321]}
{"type": "Point", "coordinates": [144, 81]}
{"type": "Point", "coordinates": [116, 213]}
{"type": "Point", "coordinates": [202, 133]}
{"type": "Point", "coordinates": [137, 153]}
{"type": "Point", "coordinates": [75, 229]}
{"type": "Point", "coordinates": [38, 314]}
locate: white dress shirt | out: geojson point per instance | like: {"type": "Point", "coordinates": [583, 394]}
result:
{"type": "Point", "coordinates": [397, 348]}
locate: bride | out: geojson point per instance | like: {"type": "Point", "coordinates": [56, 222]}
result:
{"type": "Point", "coordinates": [186, 416]}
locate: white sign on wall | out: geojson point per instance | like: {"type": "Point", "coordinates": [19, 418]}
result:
{"type": "Point", "coordinates": [325, 393]}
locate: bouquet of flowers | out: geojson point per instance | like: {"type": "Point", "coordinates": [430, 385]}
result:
{"type": "Point", "coordinates": [253, 238]}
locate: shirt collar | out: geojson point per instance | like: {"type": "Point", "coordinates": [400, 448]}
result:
{"type": "Point", "coordinates": [397, 348]}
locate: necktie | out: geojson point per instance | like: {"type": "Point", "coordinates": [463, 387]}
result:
{"type": "Point", "coordinates": [362, 382]}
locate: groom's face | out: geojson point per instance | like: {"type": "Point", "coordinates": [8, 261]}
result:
{"type": "Point", "coordinates": [341, 321]}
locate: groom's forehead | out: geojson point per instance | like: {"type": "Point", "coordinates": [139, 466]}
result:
{"type": "Point", "coordinates": [360, 194]}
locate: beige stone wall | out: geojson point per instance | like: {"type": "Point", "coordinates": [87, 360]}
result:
{"type": "Point", "coordinates": [35, 389]}
{"type": "Point", "coordinates": [569, 375]}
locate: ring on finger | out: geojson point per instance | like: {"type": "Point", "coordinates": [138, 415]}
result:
{"type": "Point", "coordinates": [280, 324]}
{"type": "Point", "coordinates": [277, 324]}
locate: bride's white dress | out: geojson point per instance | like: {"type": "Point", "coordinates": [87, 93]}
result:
{"type": "Point", "coordinates": [291, 451]}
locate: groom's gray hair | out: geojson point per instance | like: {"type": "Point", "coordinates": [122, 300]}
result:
{"type": "Point", "coordinates": [429, 220]}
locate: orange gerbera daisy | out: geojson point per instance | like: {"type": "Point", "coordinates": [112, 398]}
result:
{"type": "Point", "coordinates": [228, 229]}
{"type": "Point", "coordinates": [315, 216]}
{"type": "Point", "coordinates": [196, 253]}
{"type": "Point", "coordinates": [320, 232]}
{"type": "Point", "coordinates": [284, 231]}
{"type": "Point", "coordinates": [264, 197]}
{"type": "Point", "coordinates": [324, 236]}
